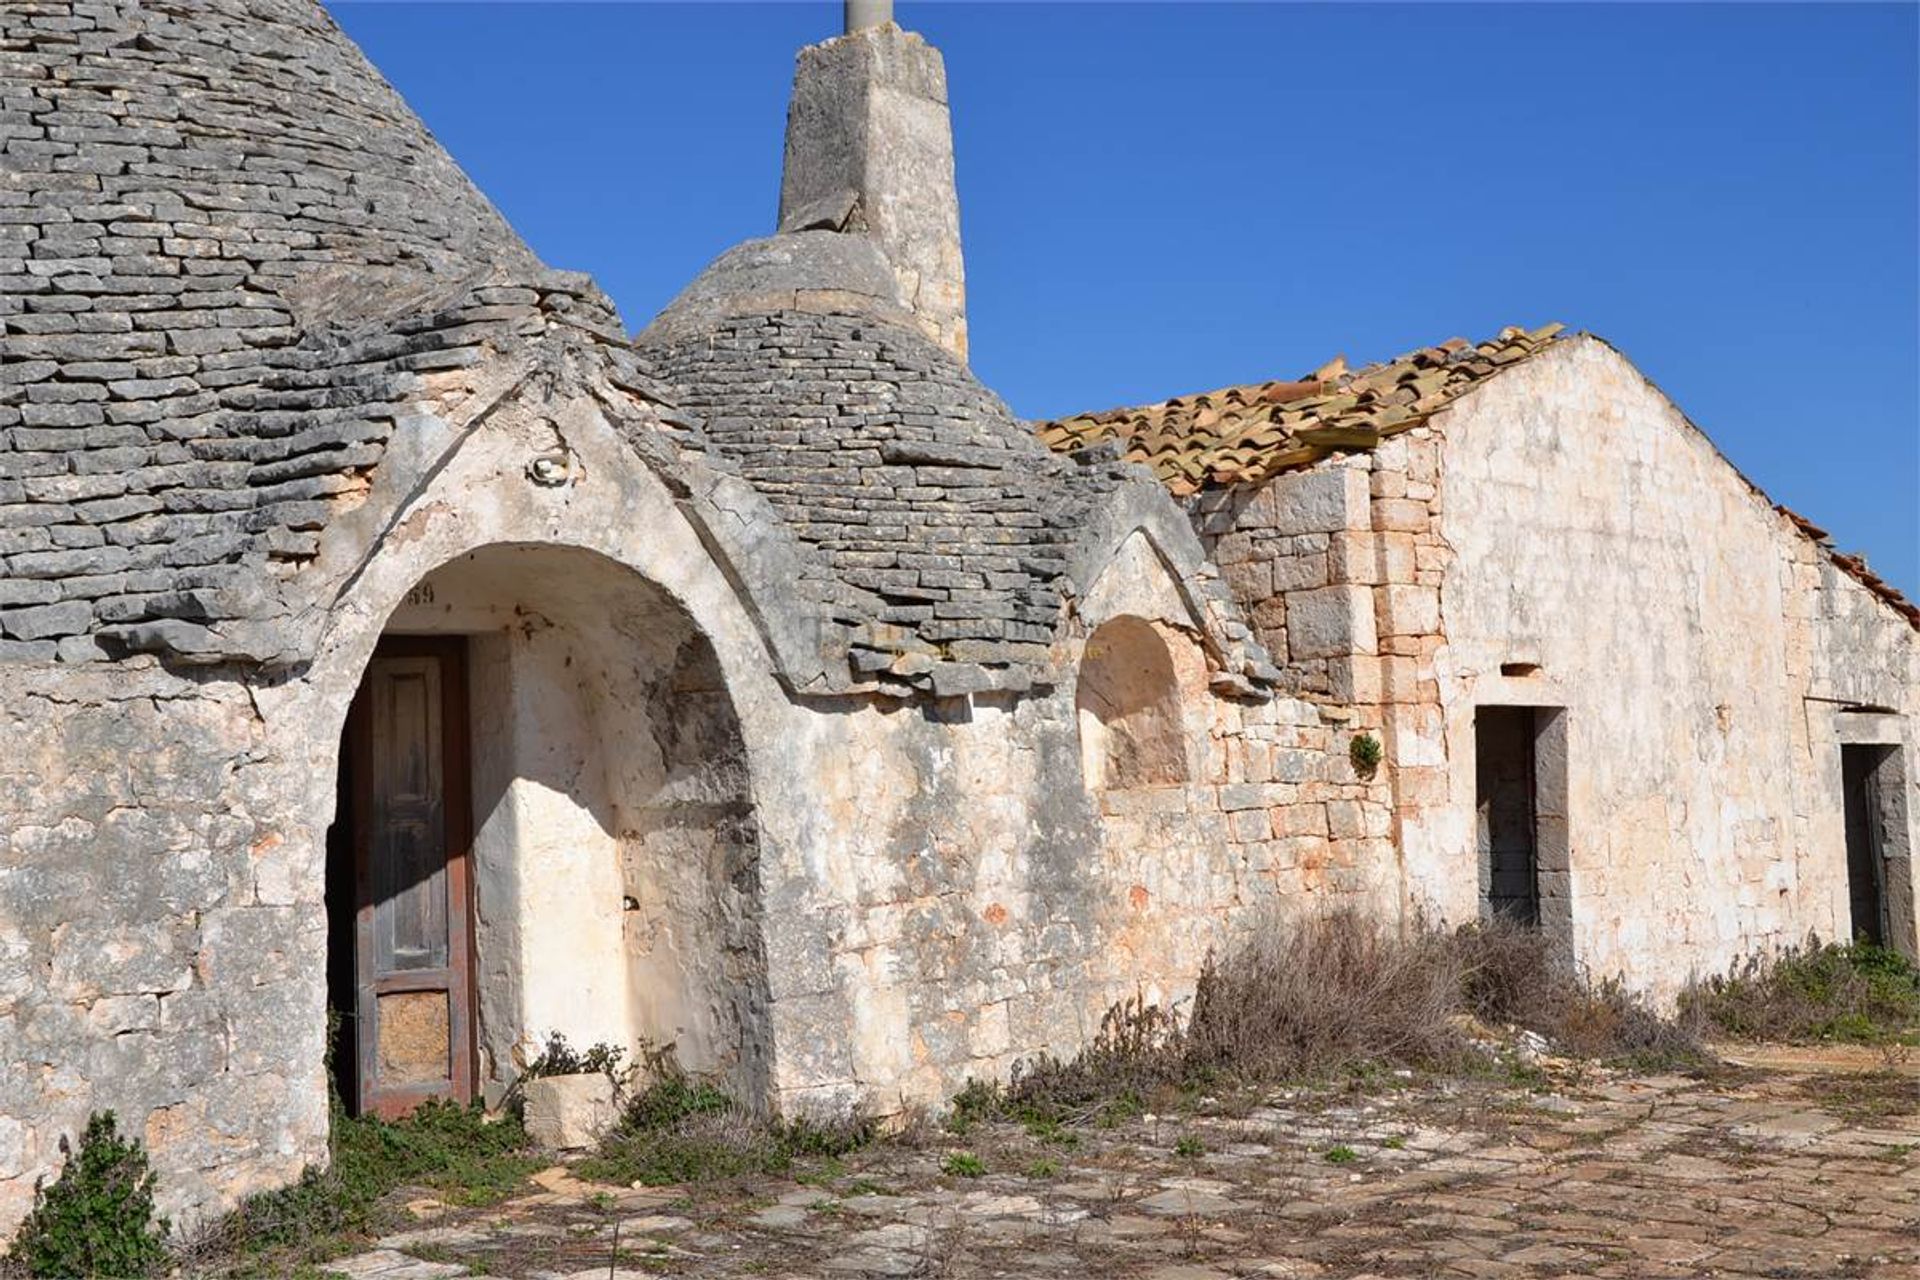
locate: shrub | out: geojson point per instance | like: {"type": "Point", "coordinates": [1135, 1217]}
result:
{"type": "Point", "coordinates": [1322, 992]}
{"type": "Point", "coordinates": [685, 1129]}
{"type": "Point", "coordinates": [97, 1218]}
{"type": "Point", "coordinates": [1858, 993]}
{"type": "Point", "coordinates": [673, 1099]}
{"type": "Point", "coordinates": [1514, 975]}
{"type": "Point", "coordinates": [1365, 753]}
{"type": "Point", "coordinates": [558, 1058]}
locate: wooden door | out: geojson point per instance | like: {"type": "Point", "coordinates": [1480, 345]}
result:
{"type": "Point", "coordinates": [413, 986]}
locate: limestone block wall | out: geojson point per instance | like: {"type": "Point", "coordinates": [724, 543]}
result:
{"type": "Point", "coordinates": [1339, 569]}
{"type": "Point", "coordinates": [158, 950]}
{"type": "Point", "coordinates": [974, 902]}
{"type": "Point", "coordinates": [1601, 556]}
{"type": "Point", "coordinates": [983, 898]}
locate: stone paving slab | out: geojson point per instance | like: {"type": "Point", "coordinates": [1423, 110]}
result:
{"type": "Point", "coordinates": [1761, 1175]}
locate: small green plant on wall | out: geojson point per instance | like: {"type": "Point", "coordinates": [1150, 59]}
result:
{"type": "Point", "coordinates": [1365, 753]}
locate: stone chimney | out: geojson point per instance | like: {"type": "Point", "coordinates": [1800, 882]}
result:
{"type": "Point", "coordinates": [870, 151]}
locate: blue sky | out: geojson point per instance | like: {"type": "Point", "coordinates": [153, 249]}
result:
{"type": "Point", "coordinates": [1163, 198]}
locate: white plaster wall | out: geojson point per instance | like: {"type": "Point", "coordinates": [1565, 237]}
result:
{"type": "Point", "coordinates": [1597, 534]}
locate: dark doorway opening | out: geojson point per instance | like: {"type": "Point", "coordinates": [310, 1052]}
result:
{"type": "Point", "coordinates": [342, 902]}
{"type": "Point", "coordinates": [399, 925]}
{"type": "Point", "coordinates": [1520, 778]}
{"type": "Point", "coordinates": [1504, 783]}
{"type": "Point", "coordinates": [1861, 779]}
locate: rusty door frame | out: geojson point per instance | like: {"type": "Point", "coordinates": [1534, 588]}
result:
{"type": "Point", "coordinates": [457, 824]}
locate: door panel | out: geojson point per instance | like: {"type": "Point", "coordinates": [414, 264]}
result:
{"type": "Point", "coordinates": [413, 968]}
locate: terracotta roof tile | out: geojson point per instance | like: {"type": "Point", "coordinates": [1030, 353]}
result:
{"type": "Point", "coordinates": [1245, 434]}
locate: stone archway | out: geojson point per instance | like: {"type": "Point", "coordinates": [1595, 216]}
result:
{"type": "Point", "coordinates": [614, 849]}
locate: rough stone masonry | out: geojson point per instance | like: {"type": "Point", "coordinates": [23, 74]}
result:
{"type": "Point", "coordinates": [802, 707]}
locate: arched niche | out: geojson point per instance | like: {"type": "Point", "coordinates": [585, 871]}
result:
{"type": "Point", "coordinates": [610, 842]}
{"type": "Point", "coordinates": [1128, 705]}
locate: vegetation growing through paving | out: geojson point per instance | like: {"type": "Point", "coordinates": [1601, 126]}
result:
{"type": "Point", "coordinates": [457, 1152]}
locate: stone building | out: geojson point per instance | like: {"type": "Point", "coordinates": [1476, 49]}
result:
{"type": "Point", "coordinates": [384, 631]}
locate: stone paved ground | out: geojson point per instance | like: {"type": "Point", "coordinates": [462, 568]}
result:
{"type": "Point", "coordinates": [1771, 1172]}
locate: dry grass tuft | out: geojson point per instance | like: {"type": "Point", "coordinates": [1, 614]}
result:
{"type": "Point", "coordinates": [1859, 994]}
{"type": "Point", "coordinates": [1314, 995]}
{"type": "Point", "coordinates": [1310, 996]}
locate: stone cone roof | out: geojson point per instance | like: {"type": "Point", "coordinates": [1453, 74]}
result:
{"type": "Point", "coordinates": [235, 263]}
{"type": "Point", "coordinates": [230, 254]}
{"type": "Point", "coordinates": [939, 526]}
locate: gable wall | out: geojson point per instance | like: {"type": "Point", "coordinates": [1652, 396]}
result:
{"type": "Point", "coordinates": [1696, 640]}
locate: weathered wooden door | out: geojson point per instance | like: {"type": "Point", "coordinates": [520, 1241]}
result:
{"type": "Point", "coordinates": [412, 926]}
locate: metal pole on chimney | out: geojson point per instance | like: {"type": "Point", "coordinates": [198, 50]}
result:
{"type": "Point", "coordinates": [862, 14]}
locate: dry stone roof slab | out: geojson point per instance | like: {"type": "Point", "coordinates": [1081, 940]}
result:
{"type": "Point", "coordinates": [229, 255]}
{"type": "Point", "coordinates": [941, 528]}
